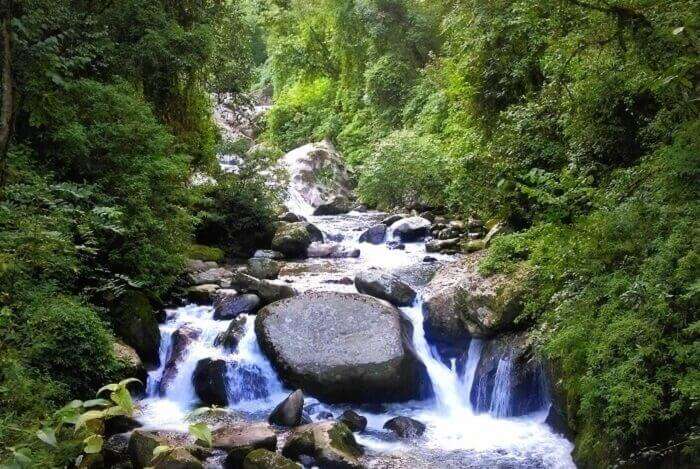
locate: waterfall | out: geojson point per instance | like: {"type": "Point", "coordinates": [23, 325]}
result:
{"type": "Point", "coordinates": [473, 356]}
{"type": "Point", "coordinates": [502, 389]}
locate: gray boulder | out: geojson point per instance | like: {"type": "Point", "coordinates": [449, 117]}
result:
{"type": "Point", "coordinates": [385, 286]}
{"type": "Point", "coordinates": [209, 380]}
{"type": "Point", "coordinates": [202, 294]}
{"type": "Point", "coordinates": [336, 205]}
{"type": "Point", "coordinates": [268, 254]}
{"type": "Point", "coordinates": [241, 439]}
{"type": "Point", "coordinates": [288, 413]}
{"type": "Point", "coordinates": [374, 234]}
{"type": "Point", "coordinates": [391, 219]}
{"type": "Point", "coordinates": [230, 338]}
{"type": "Point", "coordinates": [135, 322]}
{"type": "Point", "coordinates": [411, 229]}
{"type": "Point", "coordinates": [331, 250]}
{"type": "Point", "coordinates": [269, 291]}
{"type": "Point", "coordinates": [233, 306]}
{"type": "Point", "coordinates": [131, 364]}
{"type": "Point", "coordinates": [265, 459]}
{"type": "Point", "coordinates": [264, 268]}
{"type": "Point", "coordinates": [354, 421]}
{"type": "Point", "coordinates": [438, 245]}
{"type": "Point", "coordinates": [216, 276]}
{"type": "Point", "coordinates": [292, 240]}
{"type": "Point", "coordinates": [341, 347]}
{"type": "Point", "coordinates": [290, 217]}
{"type": "Point", "coordinates": [405, 427]}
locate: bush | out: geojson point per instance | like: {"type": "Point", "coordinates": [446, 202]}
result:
{"type": "Point", "coordinates": [303, 113]}
{"type": "Point", "coordinates": [237, 214]}
{"type": "Point", "coordinates": [68, 342]}
{"type": "Point", "coordinates": [205, 253]}
{"type": "Point", "coordinates": [387, 82]}
{"type": "Point", "coordinates": [405, 169]}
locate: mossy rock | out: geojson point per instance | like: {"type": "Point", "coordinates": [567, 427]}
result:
{"type": "Point", "coordinates": [135, 322]}
{"type": "Point", "coordinates": [265, 459]}
{"type": "Point", "coordinates": [331, 444]}
{"type": "Point", "coordinates": [205, 253]}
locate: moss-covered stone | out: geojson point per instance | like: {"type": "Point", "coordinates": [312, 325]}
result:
{"type": "Point", "coordinates": [205, 253]}
{"type": "Point", "coordinates": [135, 322]}
{"type": "Point", "coordinates": [265, 459]}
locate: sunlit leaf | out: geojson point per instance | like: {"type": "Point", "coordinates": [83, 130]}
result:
{"type": "Point", "coordinates": [47, 435]}
{"type": "Point", "coordinates": [93, 444]}
{"type": "Point", "coordinates": [202, 432]}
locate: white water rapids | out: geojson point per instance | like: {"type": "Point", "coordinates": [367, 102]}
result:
{"type": "Point", "coordinates": [456, 435]}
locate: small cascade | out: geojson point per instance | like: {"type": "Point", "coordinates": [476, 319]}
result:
{"type": "Point", "coordinates": [473, 356]}
{"type": "Point", "coordinates": [502, 389]}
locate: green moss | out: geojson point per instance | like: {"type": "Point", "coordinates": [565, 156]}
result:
{"type": "Point", "coordinates": [264, 459]}
{"type": "Point", "coordinates": [205, 253]}
{"type": "Point", "coordinates": [343, 440]}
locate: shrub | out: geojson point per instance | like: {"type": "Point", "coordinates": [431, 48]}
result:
{"type": "Point", "coordinates": [236, 214]}
{"type": "Point", "coordinates": [205, 253]}
{"type": "Point", "coordinates": [387, 81]}
{"type": "Point", "coordinates": [68, 341]}
{"type": "Point", "coordinates": [405, 169]}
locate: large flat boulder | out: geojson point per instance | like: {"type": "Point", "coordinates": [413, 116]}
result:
{"type": "Point", "coordinates": [341, 347]}
{"type": "Point", "coordinates": [411, 229]}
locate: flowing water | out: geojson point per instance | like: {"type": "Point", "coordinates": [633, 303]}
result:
{"type": "Point", "coordinates": [456, 436]}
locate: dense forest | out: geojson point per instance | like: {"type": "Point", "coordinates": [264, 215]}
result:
{"type": "Point", "coordinates": [574, 122]}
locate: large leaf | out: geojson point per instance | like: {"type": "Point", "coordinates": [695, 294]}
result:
{"type": "Point", "coordinates": [47, 435]}
{"type": "Point", "coordinates": [122, 398]}
{"type": "Point", "coordinates": [202, 432]}
{"type": "Point", "coordinates": [87, 416]}
{"type": "Point", "coordinates": [93, 444]}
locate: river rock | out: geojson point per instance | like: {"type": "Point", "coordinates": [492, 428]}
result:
{"type": "Point", "coordinates": [391, 219]}
{"type": "Point", "coordinates": [131, 364]}
{"type": "Point", "coordinates": [411, 229]}
{"type": "Point", "coordinates": [266, 459]}
{"type": "Point", "coordinates": [269, 291]}
{"type": "Point", "coordinates": [233, 306]}
{"type": "Point", "coordinates": [292, 240]}
{"type": "Point", "coordinates": [405, 427]}
{"type": "Point", "coordinates": [459, 302]}
{"type": "Point", "coordinates": [230, 338]}
{"type": "Point", "coordinates": [374, 234]}
{"type": "Point", "coordinates": [385, 286]}
{"type": "Point", "coordinates": [180, 341]}
{"type": "Point", "coordinates": [331, 250]}
{"type": "Point", "coordinates": [288, 412]}
{"type": "Point", "coordinates": [341, 347]}
{"type": "Point", "coordinates": [437, 245]}
{"type": "Point", "coordinates": [330, 444]}
{"type": "Point", "coordinates": [268, 254]}
{"type": "Point", "coordinates": [142, 443]}
{"type": "Point", "coordinates": [290, 217]}
{"type": "Point", "coordinates": [209, 380]}
{"type": "Point", "coordinates": [177, 458]}
{"type": "Point", "coordinates": [336, 205]}
{"type": "Point", "coordinates": [522, 378]}
{"type": "Point", "coordinates": [135, 322]}
{"type": "Point", "coordinates": [354, 421]}
{"type": "Point", "coordinates": [317, 173]}
{"type": "Point", "coordinates": [239, 440]}
{"type": "Point", "coordinates": [115, 449]}
{"type": "Point", "coordinates": [216, 276]}
{"type": "Point", "coordinates": [263, 268]}
{"type": "Point", "coordinates": [202, 294]}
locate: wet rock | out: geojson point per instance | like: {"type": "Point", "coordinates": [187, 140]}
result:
{"type": "Point", "coordinates": [239, 440]}
{"type": "Point", "coordinates": [405, 427]}
{"type": "Point", "coordinates": [288, 412]}
{"type": "Point", "coordinates": [411, 229]}
{"type": "Point", "coordinates": [360, 208]}
{"type": "Point", "coordinates": [194, 266]}
{"type": "Point", "coordinates": [331, 250]}
{"type": "Point", "coordinates": [428, 215]}
{"type": "Point", "coordinates": [135, 322]}
{"type": "Point", "coordinates": [459, 302]}
{"type": "Point", "coordinates": [324, 415]}
{"type": "Point", "coordinates": [131, 364]}
{"type": "Point", "coordinates": [374, 235]}
{"type": "Point", "coordinates": [115, 449]}
{"type": "Point", "coordinates": [436, 245]}
{"type": "Point", "coordinates": [268, 254]}
{"type": "Point", "coordinates": [211, 276]}
{"type": "Point", "coordinates": [474, 245]}
{"type": "Point", "coordinates": [231, 337]}
{"type": "Point", "coordinates": [429, 259]}
{"type": "Point", "coordinates": [330, 444]}
{"type": "Point", "coordinates": [269, 291]}
{"type": "Point", "coordinates": [391, 219]}
{"type": "Point", "coordinates": [177, 458]}
{"type": "Point", "coordinates": [521, 378]}
{"type": "Point", "coordinates": [448, 234]}
{"type": "Point", "coordinates": [336, 205]}
{"type": "Point", "coordinates": [475, 223]}
{"type": "Point", "coordinates": [314, 232]}
{"type": "Point", "coordinates": [396, 245]}
{"type": "Point", "coordinates": [385, 286]}
{"type": "Point", "coordinates": [292, 240]}
{"type": "Point", "coordinates": [354, 421]}
{"type": "Point", "coordinates": [209, 380]}
{"type": "Point", "coordinates": [263, 268]}
{"type": "Point", "coordinates": [290, 217]}
{"type": "Point", "coordinates": [180, 341]}
{"type": "Point", "coordinates": [340, 281]}
{"type": "Point", "coordinates": [142, 443]}
{"type": "Point", "coordinates": [233, 306]}
{"type": "Point", "coordinates": [202, 294]}
{"type": "Point", "coordinates": [120, 424]}
{"type": "Point", "coordinates": [341, 347]}
{"type": "Point", "coordinates": [265, 459]}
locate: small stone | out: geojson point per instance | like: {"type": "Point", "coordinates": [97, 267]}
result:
{"type": "Point", "coordinates": [354, 421]}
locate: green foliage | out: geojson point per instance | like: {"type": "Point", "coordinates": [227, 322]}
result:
{"type": "Point", "coordinates": [404, 169]}
{"type": "Point", "coordinates": [303, 113]}
{"type": "Point", "coordinates": [236, 214]}
{"type": "Point", "coordinates": [387, 81]}
{"type": "Point", "coordinates": [205, 253]}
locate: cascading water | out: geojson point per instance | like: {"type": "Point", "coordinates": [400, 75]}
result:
{"type": "Point", "coordinates": [453, 426]}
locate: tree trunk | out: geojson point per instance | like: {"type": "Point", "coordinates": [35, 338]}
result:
{"type": "Point", "coordinates": [8, 98]}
